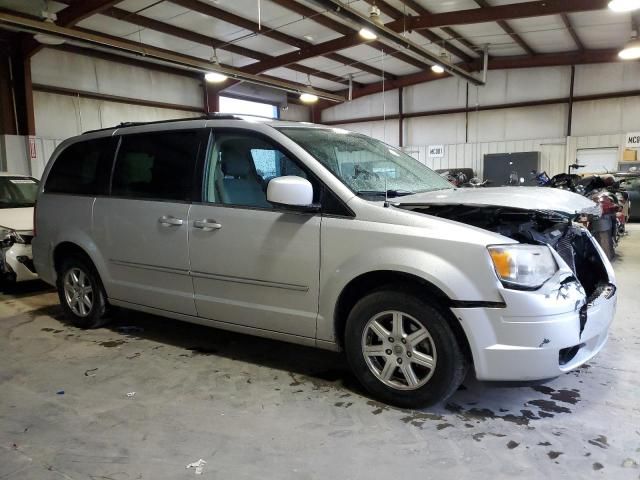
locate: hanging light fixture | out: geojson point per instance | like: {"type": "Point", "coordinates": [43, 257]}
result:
{"type": "Point", "coordinates": [367, 34]}
{"type": "Point", "coordinates": [437, 67]}
{"type": "Point", "coordinates": [308, 97]}
{"type": "Point", "coordinates": [624, 5]}
{"type": "Point", "coordinates": [215, 77]}
{"type": "Point", "coordinates": [631, 50]}
{"type": "Point", "coordinates": [44, 38]}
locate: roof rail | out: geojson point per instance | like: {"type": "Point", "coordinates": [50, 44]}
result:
{"type": "Point", "coordinates": [208, 116]}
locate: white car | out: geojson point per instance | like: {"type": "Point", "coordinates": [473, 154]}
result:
{"type": "Point", "coordinates": [17, 198]}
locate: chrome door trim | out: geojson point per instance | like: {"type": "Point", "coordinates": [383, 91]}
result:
{"type": "Point", "coordinates": [224, 278]}
{"type": "Point", "coordinates": [251, 281]}
{"type": "Point", "coordinates": [145, 266]}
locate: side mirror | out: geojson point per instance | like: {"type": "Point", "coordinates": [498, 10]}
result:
{"type": "Point", "coordinates": [293, 192]}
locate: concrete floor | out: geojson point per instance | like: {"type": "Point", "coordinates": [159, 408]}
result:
{"type": "Point", "coordinates": [254, 408]}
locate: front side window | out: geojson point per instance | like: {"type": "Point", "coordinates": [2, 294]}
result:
{"type": "Point", "coordinates": [158, 165]}
{"type": "Point", "coordinates": [240, 167]}
{"type": "Point", "coordinates": [369, 167]}
{"type": "Point", "coordinates": [83, 168]}
{"type": "Point", "coordinates": [17, 192]}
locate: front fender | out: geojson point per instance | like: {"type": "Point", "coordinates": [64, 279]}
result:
{"type": "Point", "coordinates": [461, 269]}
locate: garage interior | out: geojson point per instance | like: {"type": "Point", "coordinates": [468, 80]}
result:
{"type": "Point", "coordinates": [457, 84]}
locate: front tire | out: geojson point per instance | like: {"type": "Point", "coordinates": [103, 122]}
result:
{"type": "Point", "coordinates": [81, 293]}
{"type": "Point", "coordinates": [402, 350]}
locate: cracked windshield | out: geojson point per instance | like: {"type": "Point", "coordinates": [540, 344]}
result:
{"type": "Point", "coordinates": [367, 166]}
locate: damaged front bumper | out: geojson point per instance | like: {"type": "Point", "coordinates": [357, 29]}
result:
{"type": "Point", "coordinates": [16, 263]}
{"type": "Point", "coordinates": [541, 334]}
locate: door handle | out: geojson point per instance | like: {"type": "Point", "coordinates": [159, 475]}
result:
{"type": "Point", "coordinates": [169, 221]}
{"type": "Point", "coordinates": [207, 225]}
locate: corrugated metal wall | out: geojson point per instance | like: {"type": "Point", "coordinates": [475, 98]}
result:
{"type": "Point", "coordinates": [471, 155]}
{"type": "Point", "coordinates": [599, 123]}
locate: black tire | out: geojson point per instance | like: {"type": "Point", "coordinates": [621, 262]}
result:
{"type": "Point", "coordinates": [97, 314]}
{"type": "Point", "coordinates": [450, 366]}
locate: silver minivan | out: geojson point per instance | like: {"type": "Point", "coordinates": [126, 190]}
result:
{"type": "Point", "coordinates": [324, 237]}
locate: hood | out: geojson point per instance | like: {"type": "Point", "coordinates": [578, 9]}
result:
{"type": "Point", "coordinates": [527, 198]}
{"type": "Point", "coordinates": [18, 219]}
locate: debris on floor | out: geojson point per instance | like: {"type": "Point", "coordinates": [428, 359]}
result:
{"type": "Point", "coordinates": [89, 373]}
{"type": "Point", "coordinates": [60, 392]}
{"type": "Point", "coordinates": [199, 466]}
{"type": "Point", "coordinates": [131, 394]}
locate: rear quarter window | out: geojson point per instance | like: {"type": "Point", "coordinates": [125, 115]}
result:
{"type": "Point", "coordinates": [83, 168]}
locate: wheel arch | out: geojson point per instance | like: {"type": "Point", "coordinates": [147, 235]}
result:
{"type": "Point", "coordinates": [66, 249]}
{"type": "Point", "coordinates": [365, 283]}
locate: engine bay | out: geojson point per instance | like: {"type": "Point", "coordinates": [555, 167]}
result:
{"type": "Point", "coordinates": [572, 242]}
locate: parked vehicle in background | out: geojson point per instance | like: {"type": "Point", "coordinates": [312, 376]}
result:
{"type": "Point", "coordinates": [17, 198]}
{"type": "Point", "coordinates": [324, 237]}
{"type": "Point", "coordinates": [629, 183]}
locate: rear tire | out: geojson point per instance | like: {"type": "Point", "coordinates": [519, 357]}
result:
{"type": "Point", "coordinates": [402, 350]}
{"type": "Point", "coordinates": [81, 293]}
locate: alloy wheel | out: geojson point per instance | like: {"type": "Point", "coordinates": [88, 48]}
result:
{"type": "Point", "coordinates": [399, 350]}
{"type": "Point", "coordinates": [78, 292]}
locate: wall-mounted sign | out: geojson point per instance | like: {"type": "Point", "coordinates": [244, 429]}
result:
{"type": "Point", "coordinates": [633, 140]}
{"type": "Point", "coordinates": [32, 148]}
{"type": "Point", "coordinates": [436, 151]}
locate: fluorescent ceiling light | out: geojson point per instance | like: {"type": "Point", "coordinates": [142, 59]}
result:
{"type": "Point", "coordinates": [437, 68]}
{"type": "Point", "coordinates": [367, 34]}
{"type": "Point", "coordinates": [48, 39]}
{"type": "Point", "coordinates": [624, 5]}
{"type": "Point", "coordinates": [631, 50]}
{"type": "Point", "coordinates": [308, 98]}
{"type": "Point", "coordinates": [215, 77]}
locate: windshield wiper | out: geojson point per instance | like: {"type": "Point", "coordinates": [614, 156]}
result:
{"type": "Point", "coordinates": [382, 193]}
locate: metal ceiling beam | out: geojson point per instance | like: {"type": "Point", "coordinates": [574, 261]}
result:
{"type": "Point", "coordinates": [311, 51]}
{"type": "Point", "coordinates": [215, 12]}
{"type": "Point", "coordinates": [74, 14]}
{"type": "Point", "coordinates": [420, 10]}
{"type": "Point", "coordinates": [574, 35]}
{"type": "Point", "coordinates": [507, 29]}
{"type": "Point", "coordinates": [336, 7]}
{"type": "Point", "coordinates": [428, 34]}
{"type": "Point", "coordinates": [500, 63]}
{"type": "Point", "coordinates": [502, 12]}
{"type": "Point", "coordinates": [195, 37]}
{"type": "Point", "coordinates": [134, 49]}
{"type": "Point", "coordinates": [320, 19]}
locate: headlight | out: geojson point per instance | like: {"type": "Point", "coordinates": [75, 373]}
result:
{"type": "Point", "coordinates": [523, 266]}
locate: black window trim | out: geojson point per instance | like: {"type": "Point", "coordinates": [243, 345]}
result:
{"type": "Point", "coordinates": [44, 181]}
{"type": "Point", "coordinates": [201, 132]}
{"type": "Point", "coordinates": [324, 189]}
